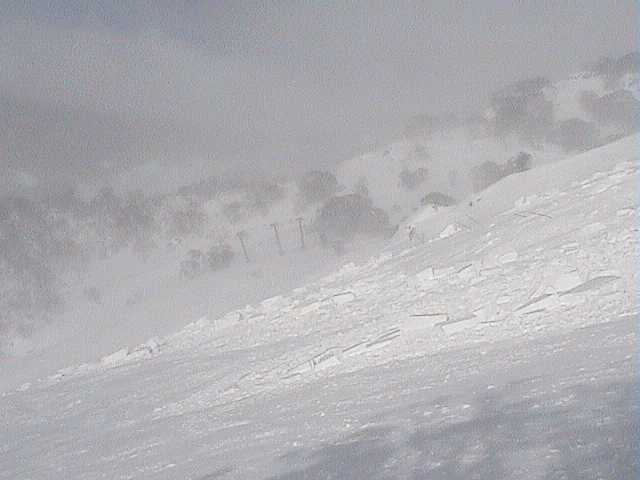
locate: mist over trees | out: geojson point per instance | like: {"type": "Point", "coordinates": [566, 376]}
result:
{"type": "Point", "coordinates": [411, 179]}
{"type": "Point", "coordinates": [614, 69]}
{"type": "Point", "coordinates": [488, 173]}
{"type": "Point", "coordinates": [523, 109]}
{"type": "Point", "coordinates": [316, 186]}
{"type": "Point", "coordinates": [43, 241]}
{"type": "Point", "coordinates": [618, 109]}
{"type": "Point", "coordinates": [34, 246]}
{"type": "Point", "coordinates": [574, 135]}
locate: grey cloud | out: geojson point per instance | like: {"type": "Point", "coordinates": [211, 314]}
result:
{"type": "Point", "coordinates": [92, 88]}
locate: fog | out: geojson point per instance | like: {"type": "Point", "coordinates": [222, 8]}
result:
{"type": "Point", "coordinates": [318, 239]}
{"type": "Point", "coordinates": [174, 149]}
{"type": "Point", "coordinates": [89, 90]}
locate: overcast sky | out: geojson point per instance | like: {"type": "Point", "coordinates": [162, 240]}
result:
{"type": "Point", "coordinates": [90, 88]}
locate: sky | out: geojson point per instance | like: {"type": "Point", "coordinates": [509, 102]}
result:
{"type": "Point", "coordinates": [153, 93]}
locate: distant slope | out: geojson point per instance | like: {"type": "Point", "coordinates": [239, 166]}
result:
{"type": "Point", "coordinates": [501, 349]}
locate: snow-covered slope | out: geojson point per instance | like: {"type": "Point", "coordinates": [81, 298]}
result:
{"type": "Point", "coordinates": [564, 122]}
{"type": "Point", "coordinates": [136, 298]}
{"type": "Point", "coordinates": [498, 345]}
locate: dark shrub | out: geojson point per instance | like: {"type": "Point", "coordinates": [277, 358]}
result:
{"type": "Point", "coordinates": [437, 199]}
{"type": "Point", "coordinates": [575, 135]}
{"type": "Point", "coordinates": [34, 248]}
{"type": "Point", "coordinates": [345, 216]}
{"type": "Point", "coordinates": [613, 69]}
{"type": "Point", "coordinates": [362, 187]}
{"type": "Point", "coordinates": [194, 265]}
{"type": "Point", "coordinates": [486, 174]}
{"type": "Point", "coordinates": [619, 108]}
{"type": "Point", "coordinates": [316, 186]}
{"type": "Point", "coordinates": [220, 256]}
{"type": "Point", "coordinates": [93, 294]}
{"type": "Point", "coordinates": [522, 109]}
{"type": "Point", "coordinates": [261, 195]}
{"type": "Point", "coordinates": [412, 179]}
{"type": "Point", "coordinates": [517, 164]}
{"type": "Point", "coordinates": [189, 219]}
{"type": "Point", "coordinates": [235, 211]}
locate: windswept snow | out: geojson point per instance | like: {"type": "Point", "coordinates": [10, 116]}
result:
{"type": "Point", "coordinates": [503, 349]}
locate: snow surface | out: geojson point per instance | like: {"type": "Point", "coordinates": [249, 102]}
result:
{"type": "Point", "coordinates": [503, 350]}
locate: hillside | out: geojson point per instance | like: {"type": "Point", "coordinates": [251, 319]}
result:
{"type": "Point", "coordinates": [109, 270]}
{"type": "Point", "coordinates": [498, 344]}
{"type": "Point", "coordinates": [550, 121]}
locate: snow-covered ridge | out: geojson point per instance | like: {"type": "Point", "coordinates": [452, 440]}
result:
{"type": "Point", "coordinates": [551, 249]}
{"type": "Point", "coordinates": [448, 148]}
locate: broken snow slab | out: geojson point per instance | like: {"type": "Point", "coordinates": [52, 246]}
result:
{"type": "Point", "coordinates": [116, 358]}
{"type": "Point", "coordinates": [422, 321]}
{"type": "Point", "coordinates": [450, 230]}
{"type": "Point", "coordinates": [594, 283]}
{"type": "Point", "coordinates": [566, 281]}
{"type": "Point", "coordinates": [540, 303]}
{"type": "Point", "coordinates": [341, 298]}
{"type": "Point", "coordinates": [508, 257]}
{"type": "Point", "coordinates": [458, 325]}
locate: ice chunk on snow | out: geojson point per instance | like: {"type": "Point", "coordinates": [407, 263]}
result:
{"type": "Point", "coordinates": [273, 303]}
{"type": "Point", "coordinates": [525, 200]}
{"type": "Point", "coordinates": [115, 358]}
{"type": "Point", "coordinates": [566, 281]}
{"type": "Point", "coordinates": [203, 323]}
{"type": "Point", "coordinates": [623, 212]}
{"type": "Point", "coordinates": [469, 271]}
{"type": "Point", "coordinates": [343, 297]}
{"type": "Point", "coordinates": [425, 275]}
{"type": "Point", "coordinates": [508, 257]}
{"type": "Point", "coordinates": [422, 322]}
{"type": "Point", "coordinates": [543, 302]}
{"type": "Point", "coordinates": [459, 325]}
{"type": "Point", "coordinates": [593, 228]}
{"type": "Point", "coordinates": [450, 230]}
{"type": "Point", "coordinates": [503, 300]}
{"type": "Point", "coordinates": [306, 309]}
{"type": "Point", "coordinates": [424, 279]}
